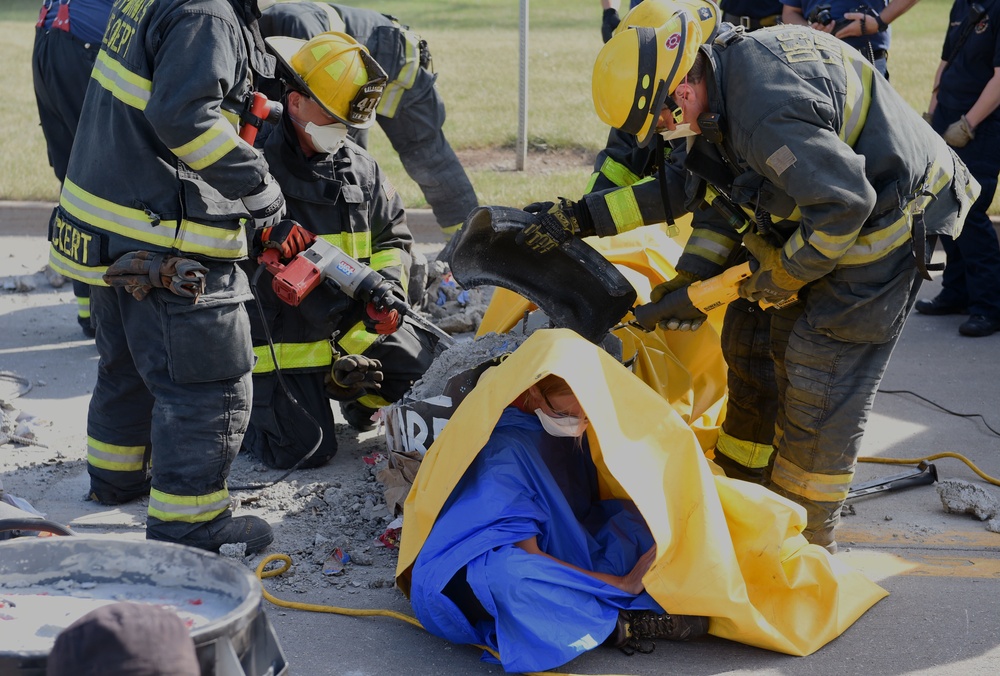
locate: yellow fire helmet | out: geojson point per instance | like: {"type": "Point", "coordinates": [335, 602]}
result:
{"type": "Point", "coordinates": [335, 71]}
{"type": "Point", "coordinates": [655, 13]}
{"type": "Point", "coordinates": [638, 69]}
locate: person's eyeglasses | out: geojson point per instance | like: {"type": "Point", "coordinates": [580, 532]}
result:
{"type": "Point", "coordinates": [557, 413]}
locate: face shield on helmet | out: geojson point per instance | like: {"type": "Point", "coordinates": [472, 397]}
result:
{"type": "Point", "coordinates": [655, 13]}
{"type": "Point", "coordinates": [336, 72]}
{"type": "Point", "coordinates": [638, 69]}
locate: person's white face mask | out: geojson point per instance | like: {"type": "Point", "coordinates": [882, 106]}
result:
{"type": "Point", "coordinates": [327, 138]}
{"type": "Point", "coordinates": [680, 131]}
{"type": "Point", "coordinates": [563, 426]}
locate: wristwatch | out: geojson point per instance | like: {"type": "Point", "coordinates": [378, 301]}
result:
{"type": "Point", "coordinates": [882, 25]}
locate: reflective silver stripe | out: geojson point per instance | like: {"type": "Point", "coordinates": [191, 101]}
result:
{"type": "Point", "coordinates": [858, 74]}
{"type": "Point", "coordinates": [209, 147]}
{"type": "Point", "coordinates": [872, 246]}
{"type": "Point", "coordinates": [190, 237]}
{"type": "Point", "coordinates": [124, 85]}
{"type": "Point", "coordinates": [192, 509]}
{"type": "Point", "coordinates": [68, 268]}
{"type": "Point", "coordinates": [810, 485]}
{"type": "Point", "coordinates": [393, 92]}
{"type": "Point", "coordinates": [709, 245]}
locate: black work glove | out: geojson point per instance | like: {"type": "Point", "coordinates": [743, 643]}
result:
{"type": "Point", "coordinates": [609, 23]}
{"type": "Point", "coordinates": [382, 321]}
{"type": "Point", "coordinates": [139, 271]}
{"type": "Point", "coordinates": [288, 237]}
{"type": "Point", "coordinates": [671, 312]}
{"type": "Point", "coordinates": [554, 224]}
{"type": "Point", "coordinates": [353, 376]}
{"type": "Point", "coordinates": [265, 203]}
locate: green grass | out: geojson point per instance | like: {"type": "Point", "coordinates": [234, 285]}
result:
{"type": "Point", "coordinates": [475, 46]}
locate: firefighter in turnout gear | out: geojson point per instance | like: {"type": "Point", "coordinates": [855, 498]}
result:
{"type": "Point", "coordinates": [334, 188]}
{"type": "Point", "coordinates": [745, 439]}
{"type": "Point", "coordinates": [844, 182]}
{"type": "Point", "coordinates": [158, 193]}
{"type": "Point", "coordinates": [411, 112]}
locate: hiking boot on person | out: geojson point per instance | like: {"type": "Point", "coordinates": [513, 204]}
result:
{"type": "Point", "coordinates": [637, 628]}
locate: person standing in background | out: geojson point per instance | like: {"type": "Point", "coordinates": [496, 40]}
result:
{"type": "Point", "coordinates": [964, 110]}
{"type": "Point", "coordinates": [67, 38]}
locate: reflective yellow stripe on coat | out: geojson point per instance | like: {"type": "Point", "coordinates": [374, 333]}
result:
{"type": "Point", "coordinates": [186, 236]}
{"type": "Point", "coordinates": [293, 356]}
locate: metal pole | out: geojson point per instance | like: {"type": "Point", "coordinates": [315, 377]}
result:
{"type": "Point", "coordinates": [522, 106]}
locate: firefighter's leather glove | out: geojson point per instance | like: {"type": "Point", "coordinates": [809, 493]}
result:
{"type": "Point", "coordinates": [771, 283]}
{"type": "Point", "coordinates": [353, 376]}
{"type": "Point", "coordinates": [265, 203]}
{"type": "Point", "coordinates": [610, 23]}
{"type": "Point", "coordinates": [555, 224]}
{"type": "Point", "coordinates": [381, 320]}
{"type": "Point", "coordinates": [139, 271]}
{"type": "Point", "coordinates": [288, 237]}
{"type": "Point", "coordinates": [959, 133]}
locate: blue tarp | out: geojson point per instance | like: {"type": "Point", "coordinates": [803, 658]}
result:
{"type": "Point", "coordinates": [517, 487]}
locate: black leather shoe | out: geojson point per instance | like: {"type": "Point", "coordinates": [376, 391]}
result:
{"type": "Point", "coordinates": [977, 326]}
{"type": "Point", "coordinates": [936, 306]}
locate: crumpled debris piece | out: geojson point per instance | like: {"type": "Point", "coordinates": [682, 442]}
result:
{"type": "Point", "coordinates": [374, 458]}
{"type": "Point", "coordinates": [390, 538]}
{"type": "Point", "coordinates": [335, 563]}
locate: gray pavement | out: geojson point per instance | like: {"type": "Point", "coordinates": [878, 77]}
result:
{"type": "Point", "coordinates": [942, 570]}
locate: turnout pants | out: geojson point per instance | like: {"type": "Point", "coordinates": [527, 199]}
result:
{"type": "Point", "coordinates": [60, 68]}
{"type": "Point", "coordinates": [172, 400]}
{"type": "Point", "coordinates": [281, 433]}
{"type": "Point", "coordinates": [746, 440]}
{"type": "Point", "coordinates": [416, 132]}
{"type": "Point", "coordinates": [830, 352]}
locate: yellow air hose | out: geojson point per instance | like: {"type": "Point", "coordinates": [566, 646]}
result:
{"type": "Point", "coordinates": [356, 612]}
{"type": "Point", "coordinates": [353, 612]}
{"type": "Point", "coordinates": [916, 461]}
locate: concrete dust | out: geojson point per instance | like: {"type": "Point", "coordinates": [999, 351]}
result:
{"type": "Point", "coordinates": [313, 512]}
{"type": "Point", "coordinates": [460, 357]}
{"type": "Point", "coordinates": [446, 303]}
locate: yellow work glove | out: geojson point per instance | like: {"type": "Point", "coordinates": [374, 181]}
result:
{"type": "Point", "coordinates": [771, 283]}
{"type": "Point", "coordinates": [959, 133]}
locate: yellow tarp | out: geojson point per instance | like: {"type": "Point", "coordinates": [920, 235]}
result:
{"type": "Point", "coordinates": [686, 368]}
{"type": "Point", "coordinates": [725, 548]}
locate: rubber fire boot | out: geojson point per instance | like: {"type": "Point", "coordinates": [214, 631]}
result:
{"type": "Point", "coordinates": [357, 416]}
{"type": "Point", "coordinates": [225, 530]}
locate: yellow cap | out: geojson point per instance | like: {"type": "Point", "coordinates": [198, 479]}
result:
{"type": "Point", "coordinates": [337, 72]}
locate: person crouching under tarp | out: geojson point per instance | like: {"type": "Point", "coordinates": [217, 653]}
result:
{"type": "Point", "coordinates": [531, 544]}
{"type": "Point", "coordinates": [542, 539]}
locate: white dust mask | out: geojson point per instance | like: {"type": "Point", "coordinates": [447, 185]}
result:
{"type": "Point", "coordinates": [680, 131]}
{"type": "Point", "coordinates": [327, 138]}
{"type": "Point", "coordinates": [565, 426]}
